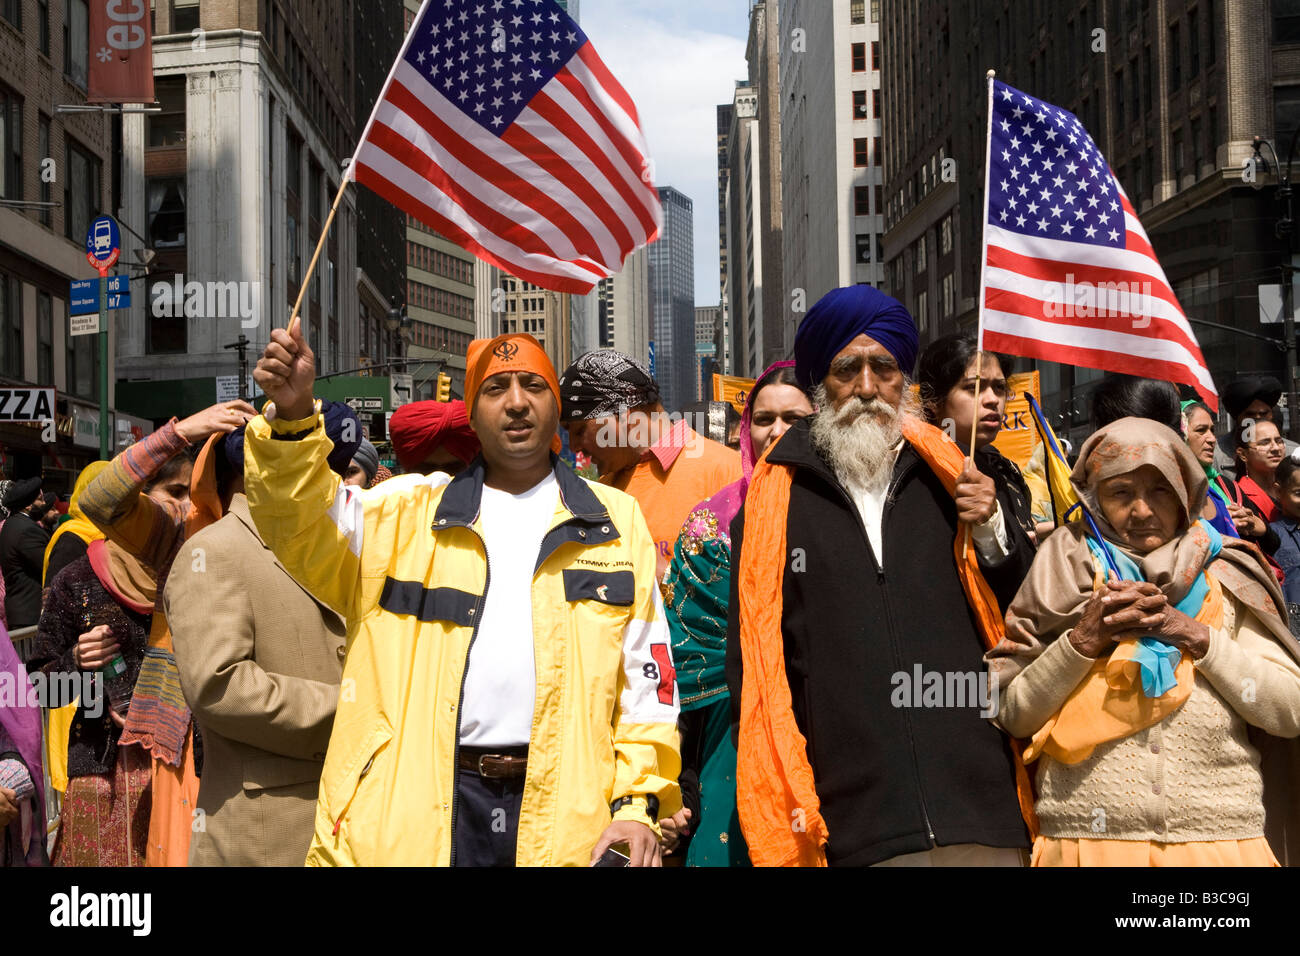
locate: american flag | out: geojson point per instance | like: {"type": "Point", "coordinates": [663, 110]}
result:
{"type": "Point", "coordinates": [501, 128]}
{"type": "Point", "coordinates": [1069, 274]}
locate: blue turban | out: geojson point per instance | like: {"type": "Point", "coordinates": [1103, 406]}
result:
{"type": "Point", "coordinates": [337, 415]}
{"type": "Point", "coordinates": [839, 317]}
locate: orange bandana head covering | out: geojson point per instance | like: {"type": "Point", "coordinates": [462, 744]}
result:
{"type": "Point", "coordinates": [512, 352]}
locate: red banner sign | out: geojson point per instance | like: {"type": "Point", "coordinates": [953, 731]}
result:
{"type": "Point", "coordinates": [121, 52]}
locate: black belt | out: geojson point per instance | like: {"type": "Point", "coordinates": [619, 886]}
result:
{"type": "Point", "coordinates": [495, 762]}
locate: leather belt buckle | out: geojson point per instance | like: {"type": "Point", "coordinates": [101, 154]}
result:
{"type": "Point", "coordinates": [501, 766]}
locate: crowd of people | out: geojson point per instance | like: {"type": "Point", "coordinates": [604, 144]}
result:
{"type": "Point", "coordinates": [861, 637]}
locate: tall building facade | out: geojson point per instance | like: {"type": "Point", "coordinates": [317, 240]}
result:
{"type": "Point", "coordinates": [672, 300]}
{"type": "Point", "coordinates": [381, 229]}
{"type": "Point", "coordinates": [1173, 94]}
{"type": "Point", "coordinates": [744, 236]}
{"type": "Point", "coordinates": [706, 318]}
{"type": "Point", "coordinates": [231, 184]}
{"type": "Point", "coordinates": [722, 334]}
{"type": "Point", "coordinates": [58, 172]}
{"type": "Point", "coordinates": [763, 54]}
{"type": "Point", "coordinates": [830, 149]}
{"type": "Point", "coordinates": [624, 308]}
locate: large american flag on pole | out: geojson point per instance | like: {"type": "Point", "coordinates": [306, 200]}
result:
{"type": "Point", "coordinates": [501, 128]}
{"type": "Point", "coordinates": [1069, 274]}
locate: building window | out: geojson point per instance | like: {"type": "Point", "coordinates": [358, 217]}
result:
{"type": "Point", "coordinates": [167, 128]}
{"type": "Point", "coordinates": [860, 104]}
{"type": "Point", "coordinates": [860, 151]}
{"type": "Point", "coordinates": [1148, 81]}
{"type": "Point", "coordinates": [1194, 42]}
{"type": "Point", "coordinates": [857, 11]}
{"type": "Point", "coordinates": [43, 145]}
{"type": "Point", "coordinates": [1119, 99]}
{"type": "Point", "coordinates": [863, 247]}
{"type": "Point", "coordinates": [11, 145]}
{"type": "Point", "coordinates": [1178, 153]}
{"type": "Point", "coordinates": [11, 326]}
{"type": "Point", "coordinates": [81, 201]}
{"type": "Point", "coordinates": [1175, 60]}
{"type": "Point", "coordinates": [861, 200]}
{"type": "Point", "coordinates": [166, 204]}
{"type": "Point", "coordinates": [945, 235]}
{"type": "Point", "coordinates": [922, 308]}
{"type": "Point", "coordinates": [949, 299]}
{"type": "Point", "coordinates": [920, 255]}
{"type": "Point", "coordinates": [1211, 37]}
{"type": "Point", "coordinates": [185, 16]}
{"type": "Point", "coordinates": [875, 11]}
{"type": "Point", "coordinates": [43, 26]}
{"type": "Point", "coordinates": [875, 151]}
{"type": "Point", "coordinates": [879, 192]}
{"type": "Point", "coordinates": [875, 54]}
{"type": "Point", "coordinates": [859, 57]}
{"type": "Point", "coordinates": [1197, 152]}
{"type": "Point", "coordinates": [12, 10]}
{"type": "Point", "coordinates": [83, 366]}
{"type": "Point", "coordinates": [44, 339]}
{"type": "Point", "coordinates": [76, 40]}
{"type": "Point", "coordinates": [1134, 91]}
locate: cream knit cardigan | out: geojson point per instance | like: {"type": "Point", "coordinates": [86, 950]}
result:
{"type": "Point", "coordinates": [1194, 776]}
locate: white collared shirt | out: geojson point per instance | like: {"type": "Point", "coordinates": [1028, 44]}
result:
{"type": "Point", "coordinates": [990, 537]}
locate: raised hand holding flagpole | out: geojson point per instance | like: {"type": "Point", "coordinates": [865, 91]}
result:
{"type": "Point", "coordinates": [979, 315]}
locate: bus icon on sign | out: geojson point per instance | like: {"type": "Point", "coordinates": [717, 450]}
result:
{"type": "Point", "coordinates": [103, 236]}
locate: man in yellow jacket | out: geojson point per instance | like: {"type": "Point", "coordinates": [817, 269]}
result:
{"type": "Point", "coordinates": [508, 694]}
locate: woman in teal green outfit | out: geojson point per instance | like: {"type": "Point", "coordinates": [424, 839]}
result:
{"type": "Point", "coordinates": [696, 592]}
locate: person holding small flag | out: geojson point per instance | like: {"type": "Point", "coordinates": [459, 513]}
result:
{"type": "Point", "coordinates": [508, 696]}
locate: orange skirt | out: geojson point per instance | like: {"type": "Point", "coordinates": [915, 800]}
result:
{"type": "Point", "coordinates": [175, 798]}
{"type": "Point", "coordinates": [1049, 851]}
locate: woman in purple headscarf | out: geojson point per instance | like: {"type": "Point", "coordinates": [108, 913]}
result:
{"type": "Point", "coordinates": [22, 776]}
{"type": "Point", "coordinates": [696, 591]}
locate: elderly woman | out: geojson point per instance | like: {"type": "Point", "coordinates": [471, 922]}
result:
{"type": "Point", "coordinates": [695, 599]}
{"type": "Point", "coordinates": [1141, 660]}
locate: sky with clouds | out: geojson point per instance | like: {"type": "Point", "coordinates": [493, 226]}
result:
{"type": "Point", "coordinates": [678, 60]}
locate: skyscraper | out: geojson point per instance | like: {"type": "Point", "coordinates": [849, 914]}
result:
{"type": "Point", "coordinates": [830, 148]}
{"type": "Point", "coordinates": [672, 300]}
{"type": "Point", "coordinates": [744, 236]}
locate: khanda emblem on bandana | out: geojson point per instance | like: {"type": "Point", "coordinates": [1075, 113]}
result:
{"type": "Point", "coordinates": [506, 351]}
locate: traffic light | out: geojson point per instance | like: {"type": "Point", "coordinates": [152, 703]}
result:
{"type": "Point", "coordinates": [444, 387]}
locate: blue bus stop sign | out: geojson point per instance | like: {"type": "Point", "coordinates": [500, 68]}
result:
{"type": "Point", "coordinates": [103, 243]}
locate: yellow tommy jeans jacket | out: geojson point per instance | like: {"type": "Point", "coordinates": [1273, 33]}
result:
{"type": "Point", "coordinates": [406, 565]}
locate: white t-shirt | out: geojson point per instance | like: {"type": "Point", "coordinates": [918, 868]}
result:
{"type": "Point", "coordinates": [501, 682]}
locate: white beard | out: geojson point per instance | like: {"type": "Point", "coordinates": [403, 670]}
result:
{"type": "Point", "coordinates": [858, 440]}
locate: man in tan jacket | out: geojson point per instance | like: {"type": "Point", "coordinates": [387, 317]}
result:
{"type": "Point", "coordinates": [260, 661]}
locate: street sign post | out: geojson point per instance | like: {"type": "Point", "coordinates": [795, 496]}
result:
{"type": "Point", "coordinates": [83, 295]}
{"type": "Point", "coordinates": [103, 246]}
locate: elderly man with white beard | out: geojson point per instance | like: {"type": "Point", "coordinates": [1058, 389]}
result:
{"type": "Point", "coordinates": [871, 562]}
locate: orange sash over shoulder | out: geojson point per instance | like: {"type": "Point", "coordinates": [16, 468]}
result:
{"type": "Point", "coordinates": [775, 792]}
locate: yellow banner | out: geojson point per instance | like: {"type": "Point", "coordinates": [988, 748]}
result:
{"type": "Point", "coordinates": [728, 388]}
{"type": "Point", "coordinates": [1018, 436]}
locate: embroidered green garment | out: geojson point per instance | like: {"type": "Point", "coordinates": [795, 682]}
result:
{"type": "Point", "coordinates": [697, 587]}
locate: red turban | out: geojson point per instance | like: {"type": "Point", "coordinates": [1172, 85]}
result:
{"type": "Point", "coordinates": [418, 429]}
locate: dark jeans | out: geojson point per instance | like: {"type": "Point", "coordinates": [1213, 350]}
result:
{"type": "Point", "coordinates": [487, 819]}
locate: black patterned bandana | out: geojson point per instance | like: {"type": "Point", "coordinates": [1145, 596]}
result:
{"type": "Point", "coordinates": [605, 383]}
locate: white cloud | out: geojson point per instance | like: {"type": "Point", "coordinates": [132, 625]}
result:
{"type": "Point", "coordinates": [676, 76]}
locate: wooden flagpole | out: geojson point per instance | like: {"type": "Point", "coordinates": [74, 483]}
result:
{"type": "Point", "coordinates": [979, 314]}
{"type": "Point", "coordinates": [320, 244]}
